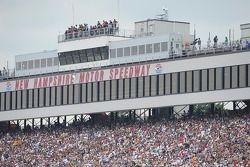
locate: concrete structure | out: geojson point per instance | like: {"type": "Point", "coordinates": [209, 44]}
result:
{"type": "Point", "coordinates": [161, 26]}
{"type": "Point", "coordinates": [245, 33]}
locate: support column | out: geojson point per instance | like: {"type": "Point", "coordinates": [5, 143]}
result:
{"type": "Point", "coordinates": [33, 123]}
{"type": "Point", "coordinates": [41, 122]}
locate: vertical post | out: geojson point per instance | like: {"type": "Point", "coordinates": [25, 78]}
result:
{"type": "Point", "coordinates": [41, 122]}
{"type": "Point", "coordinates": [33, 123]}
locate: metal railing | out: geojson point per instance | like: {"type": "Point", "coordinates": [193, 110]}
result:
{"type": "Point", "coordinates": [95, 33]}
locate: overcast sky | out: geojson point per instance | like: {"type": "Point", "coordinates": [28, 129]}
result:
{"type": "Point", "coordinates": [28, 26]}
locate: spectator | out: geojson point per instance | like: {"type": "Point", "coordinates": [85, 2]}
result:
{"type": "Point", "coordinates": [215, 41]}
{"type": "Point", "coordinates": [199, 43]}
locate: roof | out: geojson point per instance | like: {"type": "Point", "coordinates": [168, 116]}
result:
{"type": "Point", "coordinates": [162, 20]}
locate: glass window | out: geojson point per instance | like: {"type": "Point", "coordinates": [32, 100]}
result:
{"type": "Point", "coordinates": [227, 77]}
{"type": "Point", "coordinates": [107, 90]}
{"type": "Point", "coordinates": [112, 53]}
{"type": "Point", "coordinates": [101, 91]}
{"type": "Point", "coordinates": [120, 52]}
{"type": "Point", "coordinates": [248, 74]}
{"type": "Point", "coordinates": [49, 62]}
{"type": "Point", "coordinates": [149, 48]}
{"type": "Point", "coordinates": [83, 56]}
{"type": "Point", "coordinates": [76, 58]}
{"type": "Point", "coordinates": [95, 91]}
{"type": "Point", "coordinates": [3, 101]}
{"type": "Point", "coordinates": [47, 97]}
{"type": "Point", "coordinates": [204, 80]}
{"type": "Point", "coordinates": [234, 77]}
{"type": "Point", "coordinates": [164, 46]}
{"type": "Point", "coordinates": [167, 84]}
{"type": "Point", "coordinates": [8, 100]}
{"type": "Point", "coordinates": [65, 95]}
{"type": "Point", "coordinates": [69, 58]}
{"type": "Point", "coordinates": [19, 99]}
{"type": "Point", "coordinates": [120, 89]}
{"type": "Point", "coordinates": [104, 53]}
{"type": "Point", "coordinates": [77, 94]}
{"type": "Point", "coordinates": [153, 87]}
{"type": "Point", "coordinates": [18, 66]}
{"type": "Point", "coordinates": [90, 55]}
{"type": "Point", "coordinates": [30, 64]}
{"type": "Point", "coordinates": [84, 93]}
{"type": "Point", "coordinates": [53, 96]}
{"type": "Point", "coordinates": [24, 98]}
{"type": "Point", "coordinates": [140, 87]}
{"type": "Point", "coordinates": [182, 82]}
{"type": "Point", "coordinates": [37, 63]}
{"type": "Point", "coordinates": [89, 93]}
{"type": "Point", "coordinates": [134, 50]}
{"type": "Point", "coordinates": [141, 49]}
{"type": "Point", "coordinates": [41, 97]}
{"type": "Point", "coordinates": [126, 88]}
{"type": "Point", "coordinates": [189, 79]}
{"type": "Point", "coordinates": [161, 85]}
{"type": "Point", "coordinates": [43, 63]}
{"type": "Point", "coordinates": [113, 89]}
{"type": "Point", "coordinates": [196, 81]}
{"type": "Point", "coordinates": [146, 86]}
{"type": "Point", "coordinates": [127, 51]}
{"type": "Point", "coordinates": [242, 76]}
{"type": "Point", "coordinates": [156, 47]}
{"type": "Point", "coordinates": [30, 102]}
{"type": "Point", "coordinates": [97, 54]}
{"type": "Point", "coordinates": [219, 81]}
{"type": "Point", "coordinates": [13, 100]}
{"type": "Point", "coordinates": [35, 103]}
{"type": "Point", "coordinates": [56, 61]}
{"type": "Point", "coordinates": [211, 79]}
{"type": "Point", "coordinates": [62, 60]}
{"type": "Point", "coordinates": [175, 83]}
{"type": "Point", "coordinates": [58, 95]}
{"type": "Point", "coordinates": [133, 87]}
{"type": "Point", "coordinates": [24, 65]}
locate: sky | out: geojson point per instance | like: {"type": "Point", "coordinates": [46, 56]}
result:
{"type": "Point", "coordinates": [28, 26]}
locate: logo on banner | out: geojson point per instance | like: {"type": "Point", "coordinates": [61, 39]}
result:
{"type": "Point", "coordinates": [158, 69]}
{"type": "Point", "coordinates": [8, 86]}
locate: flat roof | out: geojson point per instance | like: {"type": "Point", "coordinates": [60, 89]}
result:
{"type": "Point", "coordinates": [171, 21]}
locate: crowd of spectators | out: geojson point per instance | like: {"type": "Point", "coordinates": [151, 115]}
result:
{"type": "Point", "coordinates": [86, 30]}
{"type": "Point", "coordinates": [185, 142]}
{"type": "Point", "coordinates": [3, 73]}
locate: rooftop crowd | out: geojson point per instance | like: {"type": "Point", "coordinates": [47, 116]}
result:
{"type": "Point", "coordinates": [199, 141]}
{"type": "Point", "coordinates": [85, 29]}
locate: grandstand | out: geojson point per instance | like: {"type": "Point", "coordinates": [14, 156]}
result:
{"type": "Point", "coordinates": [106, 97]}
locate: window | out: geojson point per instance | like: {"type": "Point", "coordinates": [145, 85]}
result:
{"type": "Point", "coordinates": [37, 63]}
{"type": "Point", "coordinates": [47, 97]}
{"type": "Point", "coordinates": [101, 91]}
{"type": "Point", "coordinates": [56, 61]}
{"type": "Point", "coordinates": [167, 84]}
{"type": "Point", "coordinates": [182, 82]}
{"type": "Point", "coordinates": [227, 77]}
{"type": "Point", "coordinates": [19, 99]}
{"type": "Point", "coordinates": [62, 60]}
{"type": "Point", "coordinates": [248, 74]}
{"type": "Point", "coordinates": [175, 83]}
{"type": "Point", "coordinates": [134, 50]}
{"type": "Point", "coordinates": [120, 52]}
{"type": "Point", "coordinates": [219, 81]}
{"type": "Point", "coordinates": [104, 53]}
{"type": "Point", "coordinates": [156, 47]}
{"type": "Point", "coordinates": [49, 62]}
{"type": "Point", "coordinates": [84, 93]}
{"type": "Point", "coordinates": [69, 58]}
{"type": "Point", "coordinates": [234, 77]}
{"type": "Point", "coordinates": [18, 65]}
{"type": "Point", "coordinates": [112, 53]}
{"type": "Point", "coordinates": [8, 100]}
{"type": "Point", "coordinates": [3, 101]}
{"type": "Point", "coordinates": [140, 87]}
{"type": "Point", "coordinates": [120, 89]}
{"type": "Point", "coordinates": [90, 55]}
{"type": "Point", "coordinates": [76, 58]}
{"type": "Point", "coordinates": [189, 79]}
{"type": "Point", "coordinates": [89, 92]}
{"type": "Point", "coordinates": [76, 94]}
{"type": "Point", "coordinates": [161, 85]}
{"type": "Point", "coordinates": [65, 95]}
{"type": "Point", "coordinates": [41, 97]}
{"type": "Point", "coordinates": [141, 49]}
{"type": "Point", "coordinates": [83, 56]}
{"type": "Point", "coordinates": [211, 79]}
{"type": "Point", "coordinates": [13, 100]}
{"type": "Point", "coordinates": [95, 91]}
{"type": "Point", "coordinates": [133, 87]}
{"type": "Point", "coordinates": [149, 48]}
{"type": "Point", "coordinates": [242, 76]}
{"type": "Point", "coordinates": [164, 46]}
{"type": "Point", "coordinates": [97, 54]}
{"type": "Point", "coordinates": [126, 88]}
{"type": "Point", "coordinates": [107, 90]}
{"type": "Point", "coordinates": [43, 63]}
{"type": "Point", "coordinates": [196, 81]}
{"type": "Point", "coordinates": [30, 64]}
{"type": "Point", "coordinates": [30, 102]}
{"type": "Point", "coordinates": [24, 65]}
{"type": "Point", "coordinates": [127, 51]}
{"type": "Point", "coordinates": [58, 95]}
{"type": "Point", "coordinates": [53, 96]}
{"type": "Point", "coordinates": [153, 88]}
{"type": "Point", "coordinates": [146, 86]}
{"type": "Point", "coordinates": [113, 89]}
{"type": "Point", "coordinates": [204, 80]}
{"type": "Point", "coordinates": [24, 98]}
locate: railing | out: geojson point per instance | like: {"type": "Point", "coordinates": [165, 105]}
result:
{"type": "Point", "coordinates": [7, 73]}
{"type": "Point", "coordinates": [94, 33]}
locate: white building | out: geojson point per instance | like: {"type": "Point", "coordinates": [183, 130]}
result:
{"type": "Point", "coordinates": [36, 63]}
{"type": "Point", "coordinates": [245, 33]}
